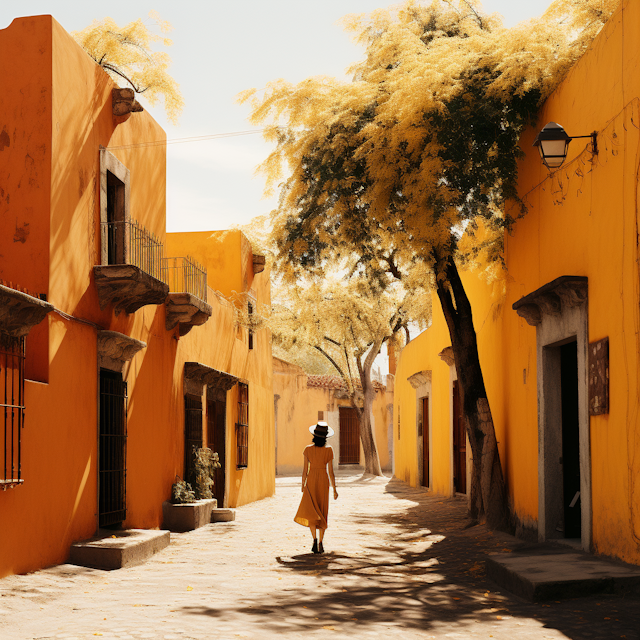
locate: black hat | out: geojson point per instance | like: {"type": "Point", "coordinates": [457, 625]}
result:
{"type": "Point", "coordinates": [321, 429]}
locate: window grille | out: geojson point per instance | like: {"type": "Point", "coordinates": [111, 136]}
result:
{"type": "Point", "coordinates": [12, 398]}
{"type": "Point", "coordinates": [113, 449]}
{"type": "Point", "coordinates": [192, 435]}
{"type": "Point", "coordinates": [242, 427]}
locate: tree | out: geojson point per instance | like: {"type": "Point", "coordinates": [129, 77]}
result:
{"type": "Point", "coordinates": [420, 147]}
{"type": "Point", "coordinates": [347, 320]}
{"type": "Point", "coordinates": [126, 54]}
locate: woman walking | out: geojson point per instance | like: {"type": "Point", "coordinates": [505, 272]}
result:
{"type": "Point", "coordinates": [314, 507]}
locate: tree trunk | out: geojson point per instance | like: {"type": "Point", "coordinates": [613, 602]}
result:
{"type": "Point", "coordinates": [488, 498]}
{"type": "Point", "coordinates": [371, 458]}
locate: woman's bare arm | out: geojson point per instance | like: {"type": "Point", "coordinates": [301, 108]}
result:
{"type": "Point", "coordinates": [332, 479]}
{"type": "Point", "coordinates": [304, 471]}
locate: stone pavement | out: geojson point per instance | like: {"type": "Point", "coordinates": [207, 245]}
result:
{"type": "Point", "coordinates": [399, 563]}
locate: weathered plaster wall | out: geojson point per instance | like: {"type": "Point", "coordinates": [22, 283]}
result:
{"type": "Point", "coordinates": [581, 220]}
{"type": "Point", "coordinates": [219, 344]}
{"type": "Point", "coordinates": [55, 132]}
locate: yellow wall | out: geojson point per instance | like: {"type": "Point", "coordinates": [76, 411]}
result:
{"type": "Point", "coordinates": [582, 220]}
{"type": "Point", "coordinates": [56, 108]}
{"type": "Point", "coordinates": [297, 408]}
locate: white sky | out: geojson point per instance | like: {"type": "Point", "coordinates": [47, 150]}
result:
{"type": "Point", "coordinates": [221, 48]}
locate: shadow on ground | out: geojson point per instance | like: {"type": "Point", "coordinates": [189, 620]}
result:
{"type": "Point", "coordinates": [426, 575]}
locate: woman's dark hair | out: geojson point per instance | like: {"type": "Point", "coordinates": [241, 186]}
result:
{"type": "Point", "coordinates": [319, 441]}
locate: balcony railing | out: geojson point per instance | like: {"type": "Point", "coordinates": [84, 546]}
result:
{"type": "Point", "coordinates": [128, 242]}
{"type": "Point", "coordinates": [185, 275]}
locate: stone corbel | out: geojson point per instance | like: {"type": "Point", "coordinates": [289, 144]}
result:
{"type": "Point", "coordinates": [565, 291]}
{"type": "Point", "coordinates": [197, 375]}
{"type": "Point", "coordinates": [446, 355]}
{"type": "Point", "coordinates": [124, 103]}
{"type": "Point", "coordinates": [114, 349]}
{"type": "Point", "coordinates": [420, 378]}
{"type": "Point", "coordinates": [20, 312]}
{"type": "Point", "coordinates": [258, 263]}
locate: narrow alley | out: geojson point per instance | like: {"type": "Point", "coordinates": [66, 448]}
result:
{"type": "Point", "coordinates": [399, 563]}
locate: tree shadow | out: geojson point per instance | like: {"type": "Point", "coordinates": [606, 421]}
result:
{"type": "Point", "coordinates": [425, 573]}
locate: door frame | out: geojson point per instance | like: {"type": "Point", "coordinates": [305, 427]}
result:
{"type": "Point", "coordinates": [559, 310]}
{"type": "Point", "coordinates": [421, 382]}
{"type": "Point", "coordinates": [552, 332]}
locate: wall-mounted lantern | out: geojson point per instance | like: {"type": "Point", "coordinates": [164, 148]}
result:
{"type": "Point", "coordinates": [553, 143]}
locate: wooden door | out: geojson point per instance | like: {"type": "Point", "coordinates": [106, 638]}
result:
{"type": "Point", "coordinates": [216, 440]}
{"type": "Point", "coordinates": [425, 442]}
{"type": "Point", "coordinates": [349, 436]}
{"type": "Point", "coordinates": [459, 444]}
{"type": "Point", "coordinates": [192, 436]}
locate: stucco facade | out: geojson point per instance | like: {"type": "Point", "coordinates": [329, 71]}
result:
{"type": "Point", "coordinates": [57, 134]}
{"type": "Point", "coordinates": [581, 227]}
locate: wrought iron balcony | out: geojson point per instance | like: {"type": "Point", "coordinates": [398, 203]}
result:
{"type": "Point", "coordinates": [187, 300]}
{"type": "Point", "coordinates": [132, 274]}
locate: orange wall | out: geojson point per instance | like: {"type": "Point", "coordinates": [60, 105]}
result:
{"type": "Point", "coordinates": [25, 152]}
{"type": "Point", "coordinates": [221, 345]}
{"type": "Point", "coordinates": [68, 117]}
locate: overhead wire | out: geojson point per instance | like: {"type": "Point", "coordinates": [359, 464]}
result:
{"type": "Point", "coordinates": [161, 143]}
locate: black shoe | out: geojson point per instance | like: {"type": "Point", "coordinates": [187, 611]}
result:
{"type": "Point", "coordinates": [320, 548]}
{"type": "Point", "coordinates": [314, 549]}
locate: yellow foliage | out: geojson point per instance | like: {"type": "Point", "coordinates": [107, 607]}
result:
{"type": "Point", "coordinates": [126, 54]}
{"type": "Point", "coordinates": [376, 133]}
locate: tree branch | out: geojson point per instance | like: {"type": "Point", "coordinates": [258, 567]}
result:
{"type": "Point", "coordinates": [333, 362]}
{"type": "Point", "coordinates": [122, 75]}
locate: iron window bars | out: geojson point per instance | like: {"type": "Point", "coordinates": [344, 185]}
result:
{"type": "Point", "coordinates": [242, 427]}
{"type": "Point", "coordinates": [192, 435]}
{"type": "Point", "coordinates": [113, 449]}
{"type": "Point", "coordinates": [12, 356]}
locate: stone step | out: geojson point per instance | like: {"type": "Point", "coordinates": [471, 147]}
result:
{"type": "Point", "coordinates": [543, 573]}
{"type": "Point", "coordinates": [189, 516]}
{"type": "Point", "coordinates": [223, 515]}
{"type": "Point", "coordinates": [117, 549]}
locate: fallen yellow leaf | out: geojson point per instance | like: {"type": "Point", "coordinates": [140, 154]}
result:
{"type": "Point", "coordinates": [329, 628]}
{"type": "Point", "coordinates": [189, 588]}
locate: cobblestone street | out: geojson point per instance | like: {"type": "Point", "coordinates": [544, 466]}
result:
{"type": "Point", "coordinates": [399, 563]}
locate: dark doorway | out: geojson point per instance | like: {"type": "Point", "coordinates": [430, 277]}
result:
{"type": "Point", "coordinates": [112, 470]}
{"type": "Point", "coordinates": [192, 435]}
{"type": "Point", "coordinates": [459, 444]}
{"type": "Point", "coordinates": [349, 436]}
{"type": "Point", "coordinates": [425, 442]}
{"type": "Point", "coordinates": [216, 440]}
{"type": "Point", "coordinates": [115, 220]}
{"type": "Point", "coordinates": [570, 440]}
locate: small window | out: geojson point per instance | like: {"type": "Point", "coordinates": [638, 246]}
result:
{"type": "Point", "coordinates": [12, 391]}
{"type": "Point", "coordinates": [250, 311]}
{"type": "Point", "coordinates": [242, 427]}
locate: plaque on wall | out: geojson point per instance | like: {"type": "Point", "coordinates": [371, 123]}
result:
{"type": "Point", "coordinates": [599, 377]}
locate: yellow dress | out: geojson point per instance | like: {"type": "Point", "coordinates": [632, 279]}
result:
{"type": "Point", "coordinates": [314, 506]}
